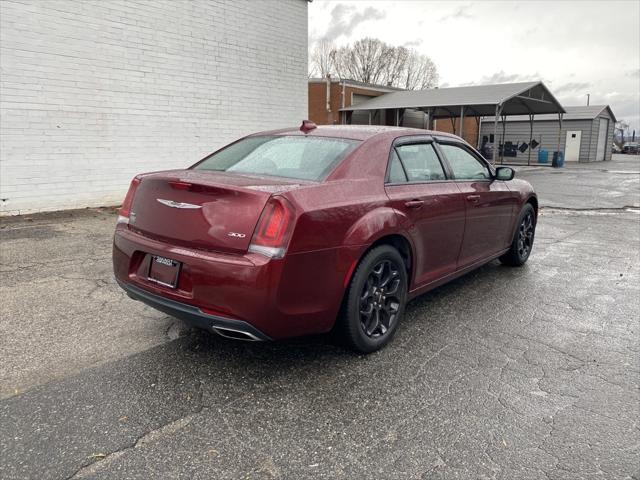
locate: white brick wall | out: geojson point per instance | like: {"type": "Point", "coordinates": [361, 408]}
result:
{"type": "Point", "coordinates": [94, 92]}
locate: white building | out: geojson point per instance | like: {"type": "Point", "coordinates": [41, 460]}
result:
{"type": "Point", "coordinates": [93, 92]}
{"type": "Point", "coordinates": [586, 135]}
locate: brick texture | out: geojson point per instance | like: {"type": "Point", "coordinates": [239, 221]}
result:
{"type": "Point", "coordinates": [94, 92]}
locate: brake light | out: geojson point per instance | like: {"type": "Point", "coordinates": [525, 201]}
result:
{"type": "Point", "coordinates": [274, 228]}
{"type": "Point", "coordinates": [125, 209]}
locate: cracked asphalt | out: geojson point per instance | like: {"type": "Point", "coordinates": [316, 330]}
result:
{"type": "Point", "coordinates": [530, 373]}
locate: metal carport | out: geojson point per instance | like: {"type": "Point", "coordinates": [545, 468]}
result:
{"type": "Point", "coordinates": [502, 100]}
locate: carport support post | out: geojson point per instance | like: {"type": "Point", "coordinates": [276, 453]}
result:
{"type": "Point", "coordinates": [430, 119]}
{"type": "Point", "coordinates": [559, 132]}
{"type": "Point", "coordinates": [530, 137]}
{"type": "Point", "coordinates": [504, 134]}
{"type": "Point", "coordinates": [495, 134]}
{"type": "Point", "coordinates": [369, 117]}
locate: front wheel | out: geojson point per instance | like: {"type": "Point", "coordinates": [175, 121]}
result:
{"type": "Point", "coordinates": [522, 242]}
{"type": "Point", "coordinates": [375, 300]}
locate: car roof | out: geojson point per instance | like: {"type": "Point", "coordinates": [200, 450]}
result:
{"type": "Point", "coordinates": [356, 132]}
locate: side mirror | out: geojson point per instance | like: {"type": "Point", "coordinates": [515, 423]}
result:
{"type": "Point", "coordinates": [505, 173]}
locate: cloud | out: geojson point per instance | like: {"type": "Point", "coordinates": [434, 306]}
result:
{"type": "Point", "coordinates": [345, 19]}
{"type": "Point", "coordinates": [634, 73]}
{"type": "Point", "coordinates": [413, 43]}
{"type": "Point", "coordinates": [503, 77]}
{"type": "Point", "coordinates": [460, 13]}
{"type": "Point", "coordinates": [571, 87]}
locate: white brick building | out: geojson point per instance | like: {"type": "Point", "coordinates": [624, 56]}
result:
{"type": "Point", "coordinates": [93, 92]}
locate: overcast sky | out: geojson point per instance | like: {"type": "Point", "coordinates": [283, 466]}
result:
{"type": "Point", "coordinates": [574, 47]}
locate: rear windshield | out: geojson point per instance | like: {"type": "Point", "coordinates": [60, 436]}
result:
{"type": "Point", "coordinates": [303, 158]}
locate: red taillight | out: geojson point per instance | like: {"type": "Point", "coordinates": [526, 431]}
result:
{"type": "Point", "coordinates": [125, 209]}
{"type": "Point", "coordinates": [272, 234]}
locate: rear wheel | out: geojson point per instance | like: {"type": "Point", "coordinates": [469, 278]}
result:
{"type": "Point", "coordinates": [523, 239]}
{"type": "Point", "coordinates": [375, 300]}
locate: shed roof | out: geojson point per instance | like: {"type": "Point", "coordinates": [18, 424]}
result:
{"type": "Point", "coordinates": [357, 83]}
{"type": "Point", "coordinates": [480, 100]}
{"type": "Point", "coordinates": [580, 112]}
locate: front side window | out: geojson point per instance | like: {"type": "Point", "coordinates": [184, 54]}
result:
{"type": "Point", "coordinates": [464, 165]}
{"type": "Point", "coordinates": [303, 158]}
{"type": "Point", "coordinates": [420, 162]}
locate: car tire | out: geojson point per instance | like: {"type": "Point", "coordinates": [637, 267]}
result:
{"type": "Point", "coordinates": [523, 237]}
{"type": "Point", "coordinates": [375, 300]}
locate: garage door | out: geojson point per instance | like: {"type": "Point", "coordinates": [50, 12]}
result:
{"type": "Point", "coordinates": [413, 118]}
{"type": "Point", "coordinates": [602, 139]}
{"type": "Point", "coordinates": [360, 117]}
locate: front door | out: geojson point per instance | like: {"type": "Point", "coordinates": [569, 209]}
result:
{"type": "Point", "coordinates": [430, 206]}
{"type": "Point", "coordinates": [602, 139]}
{"type": "Point", "coordinates": [489, 204]}
{"type": "Point", "coordinates": [572, 146]}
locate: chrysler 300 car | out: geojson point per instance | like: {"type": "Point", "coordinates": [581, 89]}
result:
{"type": "Point", "coordinates": [302, 231]}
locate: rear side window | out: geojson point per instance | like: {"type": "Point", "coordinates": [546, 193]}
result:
{"type": "Point", "coordinates": [303, 158]}
{"type": "Point", "coordinates": [420, 162]}
{"type": "Point", "coordinates": [464, 165]}
{"type": "Point", "coordinates": [396, 172]}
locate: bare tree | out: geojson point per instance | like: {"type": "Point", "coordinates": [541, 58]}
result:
{"type": "Point", "coordinates": [371, 60]}
{"type": "Point", "coordinates": [419, 72]}
{"type": "Point", "coordinates": [395, 64]}
{"type": "Point", "coordinates": [364, 61]}
{"type": "Point", "coordinates": [621, 127]}
{"type": "Point", "coordinates": [321, 58]}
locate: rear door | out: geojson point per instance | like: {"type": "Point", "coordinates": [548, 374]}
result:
{"type": "Point", "coordinates": [430, 205]}
{"type": "Point", "coordinates": [489, 203]}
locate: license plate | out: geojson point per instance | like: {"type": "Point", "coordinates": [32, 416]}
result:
{"type": "Point", "coordinates": [164, 271]}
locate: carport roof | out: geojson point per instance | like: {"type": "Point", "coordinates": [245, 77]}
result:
{"type": "Point", "coordinates": [481, 100]}
{"type": "Point", "coordinates": [580, 112]}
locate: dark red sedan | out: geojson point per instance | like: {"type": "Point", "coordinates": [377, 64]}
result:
{"type": "Point", "coordinates": [300, 231]}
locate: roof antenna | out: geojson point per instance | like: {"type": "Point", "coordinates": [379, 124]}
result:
{"type": "Point", "coordinates": [307, 126]}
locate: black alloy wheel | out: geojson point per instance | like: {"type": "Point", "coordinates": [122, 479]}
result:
{"type": "Point", "coordinates": [525, 236]}
{"type": "Point", "coordinates": [379, 300]}
{"type": "Point", "coordinates": [522, 242]}
{"type": "Point", "coordinates": [374, 301]}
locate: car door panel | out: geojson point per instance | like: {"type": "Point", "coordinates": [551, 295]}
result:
{"type": "Point", "coordinates": [430, 207]}
{"type": "Point", "coordinates": [489, 204]}
{"type": "Point", "coordinates": [489, 207]}
{"type": "Point", "coordinates": [436, 226]}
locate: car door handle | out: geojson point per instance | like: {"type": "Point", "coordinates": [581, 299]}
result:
{"type": "Point", "coordinates": [473, 198]}
{"type": "Point", "coordinates": [414, 203]}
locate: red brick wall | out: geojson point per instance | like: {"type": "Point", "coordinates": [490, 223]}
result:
{"type": "Point", "coordinates": [318, 104]}
{"type": "Point", "coordinates": [318, 101]}
{"type": "Point", "coordinates": [470, 131]}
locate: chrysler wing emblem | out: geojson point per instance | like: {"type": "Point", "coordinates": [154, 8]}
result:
{"type": "Point", "coordinates": [173, 204]}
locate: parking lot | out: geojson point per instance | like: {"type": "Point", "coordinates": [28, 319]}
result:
{"type": "Point", "coordinates": [528, 373]}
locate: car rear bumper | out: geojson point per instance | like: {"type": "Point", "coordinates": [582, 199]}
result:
{"type": "Point", "coordinates": [296, 295]}
{"type": "Point", "coordinates": [193, 315]}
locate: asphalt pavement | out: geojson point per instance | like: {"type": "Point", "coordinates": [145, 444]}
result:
{"type": "Point", "coordinates": [525, 373]}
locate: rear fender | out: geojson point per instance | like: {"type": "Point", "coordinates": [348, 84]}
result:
{"type": "Point", "coordinates": [373, 226]}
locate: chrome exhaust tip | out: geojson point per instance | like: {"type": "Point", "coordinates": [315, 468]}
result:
{"type": "Point", "coordinates": [235, 334]}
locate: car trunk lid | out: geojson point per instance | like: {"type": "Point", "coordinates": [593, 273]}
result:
{"type": "Point", "coordinates": [203, 209]}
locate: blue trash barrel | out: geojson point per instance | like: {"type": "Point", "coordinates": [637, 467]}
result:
{"type": "Point", "coordinates": [558, 159]}
{"type": "Point", "coordinates": [543, 156]}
